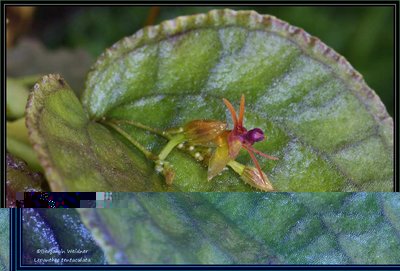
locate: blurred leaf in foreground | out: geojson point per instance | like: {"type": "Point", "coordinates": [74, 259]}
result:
{"type": "Point", "coordinates": [57, 230]}
{"type": "Point", "coordinates": [249, 228]}
{"type": "Point", "coordinates": [17, 96]}
{"type": "Point", "coordinates": [18, 144]}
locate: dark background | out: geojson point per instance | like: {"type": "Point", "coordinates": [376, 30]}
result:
{"type": "Point", "coordinates": [364, 35]}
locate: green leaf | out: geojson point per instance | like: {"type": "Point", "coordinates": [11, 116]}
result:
{"type": "Point", "coordinates": [21, 179]}
{"type": "Point", "coordinates": [256, 228]}
{"type": "Point", "coordinates": [4, 240]}
{"type": "Point", "coordinates": [327, 127]}
{"type": "Point", "coordinates": [18, 143]}
{"type": "Point", "coordinates": [76, 153]}
{"type": "Point", "coordinates": [49, 232]}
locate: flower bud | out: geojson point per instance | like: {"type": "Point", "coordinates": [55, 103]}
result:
{"type": "Point", "coordinates": [169, 174]}
{"type": "Point", "coordinates": [252, 176]}
{"type": "Point", "coordinates": [166, 169]}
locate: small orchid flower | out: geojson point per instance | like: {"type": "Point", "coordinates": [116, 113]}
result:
{"type": "Point", "coordinates": [229, 144]}
{"type": "Point", "coordinates": [209, 141]}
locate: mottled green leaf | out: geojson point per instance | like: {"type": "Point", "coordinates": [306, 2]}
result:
{"type": "Point", "coordinates": [238, 228]}
{"type": "Point", "coordinates": [51, 235]}
{"type": "Point", "coordinates": [328, 128]}
{"type": "Point", "coordinates": [4, 240]}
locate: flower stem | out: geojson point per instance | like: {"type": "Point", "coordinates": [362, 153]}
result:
{"type": "Point", "coordinates": [142, 126]}
{"type": "Point", "coordinates": [147, 153]}
{"type": "Point", "coordinates": [172, 143]}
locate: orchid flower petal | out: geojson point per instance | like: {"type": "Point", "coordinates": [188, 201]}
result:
{"type": "Point", "coordinates": [232, 110]}
{"type": "Point", "coordinates": [241, 111]}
